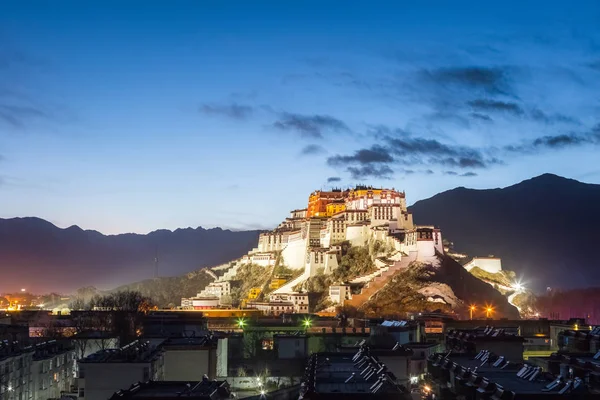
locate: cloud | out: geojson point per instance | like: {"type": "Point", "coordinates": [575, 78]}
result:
{"type": "Point", "coordinates": [333, 179]}
{"type": "Point", "coordinates": [232, 111]}
{"type": "Point", "coordinates": [17, 115]}
{"type": "Point", "coordinates": [489, 105]}
{"type": "Point", "coordinates": [370, 171]}
{"type": "Point", "coordinates": [483, 117]}
{"type": "Point", "coordinates": [493, 80]}
{"type": "Point", "coordinates": [469, 174]}
{"type": "Point", "coordinates": [310, 126]}
{"type": "Point", "coordinates": [312, 149]}
{"type": "Point", "coordinates": [431, 151]}
{"type": "Point", "coordinates": [406, 150]}
{"type": "Point", "coordinates": [450, 173]}
{"type": "Point", "coordinates": [375, 154]}
{"type": "Point", "coordinates": [557, 142]}
{"type": "Point", "coordinates": [538, 115]}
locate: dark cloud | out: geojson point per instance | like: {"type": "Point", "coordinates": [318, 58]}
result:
{"type": "Point", "coordinates": [312, 149]}
{"type": "Point", "coordinates": [233, 111]}
{"type": "Point", "coordinates": [450, 173]}
{"type": "Point", "coordinates": [312, 126]}
{"type": "Point", "coordinates": [431, 151]}
{"type": "Point", "coordinates": [557, 142]}
{"type": "Point", "coordinates": [373, 155]}
{"type": "Point", "coordinates": [496, 106]}
{"type": "Point", "coordinates": [483, 117]}
{"type": "Point", "coordinates": [490, 80]}
{"type": "Point", "coordinates": [428, 172]}
{"type": "Point", "coordinates": [469, 174]}
{"type": "Point", "coordinates": [539, 115]}
{"type": "Point", "coordinates": [370, 171]}
{"type": "Point", "coordinates": [333, 179]}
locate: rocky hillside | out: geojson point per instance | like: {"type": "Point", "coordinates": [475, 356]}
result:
{"type": "Point", "coordinates": [441, 285]}
{"type": "Point", "coordinates": [544, 228]}
{"type": "Point", "coordinates": [42, 257]}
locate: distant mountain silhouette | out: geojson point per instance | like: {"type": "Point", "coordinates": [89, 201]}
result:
{"type": "Point", "coordinates": [41, 257]}
{"type": "Point", "coordinates": [545, 228]}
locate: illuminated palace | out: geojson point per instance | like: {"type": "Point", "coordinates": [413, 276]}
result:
{"type": "Point", "coordinates": [310, 238]}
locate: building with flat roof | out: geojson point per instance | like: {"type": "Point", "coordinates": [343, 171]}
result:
{"type": "Point", "coordinates": [203, 390]}
{"type": "Point", "coordinates": [349, 376]}
{"type": "Point", "coordinates": [189, 359]}
{"type": "Point", "coordinates": [495, 340]}
{"type": "Point", "coordinates": [37, 372]}
{"type": "Point", "coordinates": [492, 376]}
{"type": "Point", "coordinates": [103, 373]}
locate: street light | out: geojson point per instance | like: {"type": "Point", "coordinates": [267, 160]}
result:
{"type": "Point", "coordinates": [241, 323]}
{"type": "Point", "coordinates": [307, 323]}
{"type": "Point", "coordinates": [488, 311]}
{"type": "Point", "coordinates": [471, 309]}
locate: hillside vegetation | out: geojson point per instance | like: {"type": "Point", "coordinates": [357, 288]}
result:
{"type": "Point", "coordinates": [168, 291]}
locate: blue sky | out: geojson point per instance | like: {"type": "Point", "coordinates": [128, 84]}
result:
{"type": "Point", "coordinates": [138, 116]}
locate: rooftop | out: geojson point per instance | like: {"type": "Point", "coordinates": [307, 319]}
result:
{"type": "Point", "coordinates": [203, 390]}
{"type": "Point", "coordinates": [491, 375]}
{"type": "Point", "coordinates": [135, 352]}
{"type": "Point", "coordinates": [349, 375]}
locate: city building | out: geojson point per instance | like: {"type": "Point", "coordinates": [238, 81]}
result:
{"type": "Point", "coordinates": [38, 372]}
{"type": "Point", "coordinates": [103, 373]}
{"type": "Point", "coordinates": [193, 390]}
{"type": "Point", "coordinates": [489, 375]}
{"type": "Point", "coordinates": [189, 358]}
{"type": "Point", "coordinates": [164, 324]}
{"type": "Point", "coordinates": [338, 294]}
{"type": "Point", "coordinates": [350, 376]}
{"type": "Point", "coordinates": [292, 346]}
{"type": "Point", "coordinates": [494, 340]}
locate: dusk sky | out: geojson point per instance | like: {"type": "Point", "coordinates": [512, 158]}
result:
{"type": "Point", "coordinates": [139, 116]}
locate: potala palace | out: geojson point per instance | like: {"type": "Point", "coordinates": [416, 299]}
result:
{"type": "Point", "coordinates": [309, 242]}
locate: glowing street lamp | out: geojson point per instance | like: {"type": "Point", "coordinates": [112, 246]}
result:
{"type": "Point", "coordinates": [471, 309]}
{"type": "Point", "coordinates": [488, 311]}
{"type": "Point", "coordinates": [307, 323]}
{"type": "Point", "coordinates": [241, 323]}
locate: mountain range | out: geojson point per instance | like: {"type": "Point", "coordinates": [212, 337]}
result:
{"type": "Point", "coordinates": [40, 257]}
{"type": "Point", "coordinates": [545, 229]}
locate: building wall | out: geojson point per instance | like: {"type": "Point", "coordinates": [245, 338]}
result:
{"type": "Point", "coordinates": [291, 347]}
{"type": "Point", "coordinates": [399, 366]}
{"type": "Point", "coordinates": [294, 254]}
{"type": "Point", "coordinates": [491, 265]}
{"type": "Point", "coordinates": [99, 381]}
{"type": "Point", "coordinates": [357, 234]}
{"type": "Point", "coordinates": [339, 293]}
{"type": "Point", "coordinates": [52, 375]}
{"type": "Point", "coordinates": [15, 374]}
{"type": "Point", "coordinates": [189, 364]}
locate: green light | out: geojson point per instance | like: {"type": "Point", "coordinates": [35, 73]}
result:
{"type": "Point", "coordinates": [241, 322]}
{"type": "Point", "coordinates": [307, 322]}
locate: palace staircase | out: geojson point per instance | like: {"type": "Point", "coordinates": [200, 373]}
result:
{"type": "Point", "coordinates": [380, 281]}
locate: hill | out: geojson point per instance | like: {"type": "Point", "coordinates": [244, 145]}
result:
{"type": "Point", "coordinates": [545, 228]}
{"type": "Point", "coordinates": [41, 257]}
